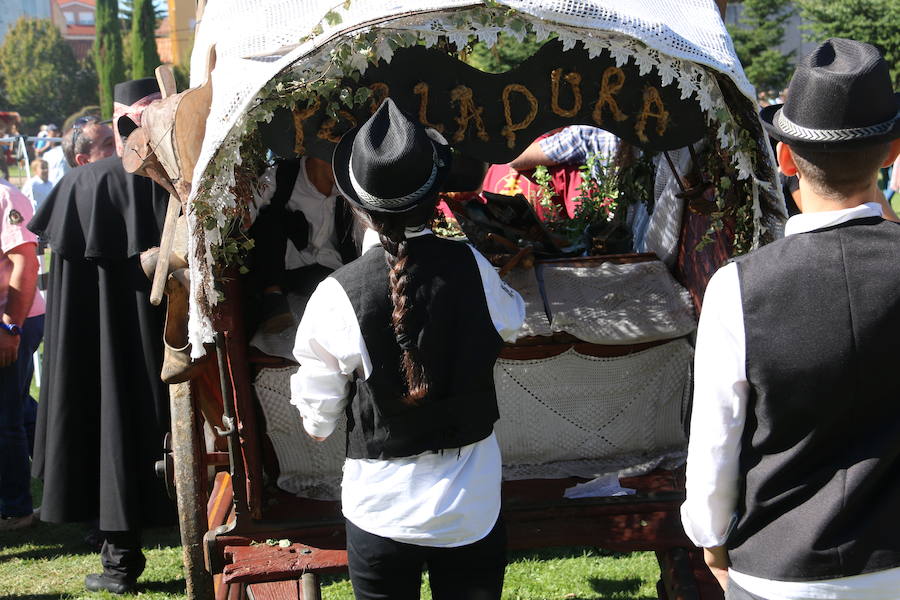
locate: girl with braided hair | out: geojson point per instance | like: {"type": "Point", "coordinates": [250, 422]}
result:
{"type": "Point", "coordinates": [403, 341]}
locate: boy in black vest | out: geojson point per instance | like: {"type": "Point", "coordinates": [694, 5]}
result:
{"type": "Point", "coordinates": [793, 478]}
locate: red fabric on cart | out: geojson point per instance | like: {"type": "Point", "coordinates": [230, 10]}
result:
{"type": "Point", "coordinates": [564, 179]}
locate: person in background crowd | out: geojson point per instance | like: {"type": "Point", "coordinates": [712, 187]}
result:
{"type": "Point", "coordinates": [89, 141]}
{"type": "Point", "coordinates": [103, 409]}
{"type": "Point", "coordinates": [572, 146]}
{"type": "Point", "coordinates": [793, 470]}
{"type": "Point", "coordinates": [38, 187]}
{"type": "Point", "coordinates": [56, 160]}
{"type": "Point", "coordinates": [421, 487]}
{"type": "Point", "coordinates": [40, 144]}
{"type": "Point", "coordinates": [21, 328]}
{"type": "Point", "coordinates": [894, 182]}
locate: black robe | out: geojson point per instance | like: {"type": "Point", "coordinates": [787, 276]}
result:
{"type": "Point", "coordinates": [103, 410]}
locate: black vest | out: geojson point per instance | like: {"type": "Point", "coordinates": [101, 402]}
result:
{"type": "Point", "coordinates": [457, 340]}
{"type": "Point", "coordinates": [285, 179]}
{"type": "Point", "coordinates": [820, 454]}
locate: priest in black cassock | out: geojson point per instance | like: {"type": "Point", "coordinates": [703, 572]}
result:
{"type": "Point", "coordinates": [103, 409]}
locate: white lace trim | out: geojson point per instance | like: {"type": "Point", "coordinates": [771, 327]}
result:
{"type": "Point", "coordinates": [610, 28]}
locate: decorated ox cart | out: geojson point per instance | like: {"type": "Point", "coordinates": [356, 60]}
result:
{"type": "Point", "coordinates": [595, 398]}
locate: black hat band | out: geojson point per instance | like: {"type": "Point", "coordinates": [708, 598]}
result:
{"type": "Point", "coordinates": [401, 201]}
{"type": "Point", "coordinates": [832, 135]}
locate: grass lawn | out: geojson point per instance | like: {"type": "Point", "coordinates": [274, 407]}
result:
{"type": "Point", "coordinates": [50, 561]}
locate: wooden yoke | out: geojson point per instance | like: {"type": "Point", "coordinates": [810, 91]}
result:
{"type": "Point", "coordinates": [166, 148]}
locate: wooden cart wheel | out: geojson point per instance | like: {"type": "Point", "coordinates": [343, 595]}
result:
{"type": "Point", "coordinates": [189, 490]}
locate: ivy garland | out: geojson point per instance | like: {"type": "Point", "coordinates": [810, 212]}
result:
{"type": "Point", "coordinates": [321, 77]}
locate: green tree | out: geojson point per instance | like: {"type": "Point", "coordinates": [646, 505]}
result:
{"type": "Point", "coordinates": [144, 56]}
{"type": "Point", "coordinates": [39, 72]}
{"type": "Point", "coordinates": [874, 21]}
{"type": "Point", "coordinates": [127, 10]}
{"type": "Point", "coordinates": [108, 52]}
{"type": "Point", "coordinates": [86, 84]}
{"type": "Point", "coordinates": [506, 54]}
{"type": "Point", "coordinates": [759, 32]}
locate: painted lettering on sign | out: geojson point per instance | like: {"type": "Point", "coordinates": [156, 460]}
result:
{"type": "Point", "coordinates": [380, 91]}
{"type": "Point", "coordinates": [300, 116]}
{"type": "Point", "coordinates": [610, 84]}
{"type": "Point", "coordinates": [421, 90]}
{"type": "Point", "coordinates": [653, 107]}
{"type": "Point", "coordinates": [494, 116]}
{"type": "Point", "coordinates": [511, 127]}
{"type": "Point", "coordinates": [574, 81]}
{"type": "Point", "coordinates": [468, 112]}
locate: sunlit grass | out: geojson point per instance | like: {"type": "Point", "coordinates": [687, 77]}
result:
{"type": "Point", "coordinates": [50, 561]}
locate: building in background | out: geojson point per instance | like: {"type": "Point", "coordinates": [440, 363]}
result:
{"type": "Point", "coordinates": [164, 41]}
{"type": "Point", "coordinates": [75, 19]}
{"type": "Point", "coordinates": [182, 20]}
{"type": "Point", "coordinates": [11, 10]}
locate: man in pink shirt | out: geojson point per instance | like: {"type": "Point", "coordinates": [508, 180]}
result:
{"type": "Point", "coordinates": [21, 329]}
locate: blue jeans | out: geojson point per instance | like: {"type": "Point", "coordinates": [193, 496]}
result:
{"type": "Point", "coordinates": [15, 404]}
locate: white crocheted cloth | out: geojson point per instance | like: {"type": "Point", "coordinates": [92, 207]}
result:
{"type": "Point", "coordinates": [258, 39]}
{"type": "Point", "coordinates": [615, 304]}
{"type": "Point", "coordinates": [536, 321]}
{"type": "Point", "coordinates": [568, 415]}
{"type": "Point", "coordinates": [668, 209]}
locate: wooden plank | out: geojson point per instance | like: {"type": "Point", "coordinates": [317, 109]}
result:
{"type": "Point", "coordinates": [219, 505]}
{"type": "Point", "coordinates": [535, 511]}
{"type": "Point", "coordinates": [591, 261]}
{"type": "Point", "coordinates": [534, 351]}
{"type": "Point", "coordinates": [274, 590]}
{"type": "Point", "coordinates": [186, 452]}
{"type": "Point", "coordinates": [269, 563]}
{"type": "Point", "coordinates": [626, 532]}
{"type": "Point", "coordinates": [229, 320]}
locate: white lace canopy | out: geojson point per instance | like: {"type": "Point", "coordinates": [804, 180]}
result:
{"type": "Point", "coordinates": [685, 41]}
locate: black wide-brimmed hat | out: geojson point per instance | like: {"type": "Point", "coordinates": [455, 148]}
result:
{"type": "Point", "coordinates": [129, 92]}
{"type": "Point", "coordinates": [839, 98]}
{"type": "Point", "coordinates": [390, 163]}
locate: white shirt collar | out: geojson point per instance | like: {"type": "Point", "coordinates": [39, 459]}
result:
{"type": "Point", "coordinates": [805, 222]}
{"type": "Point", "coordinates": [371, 239]}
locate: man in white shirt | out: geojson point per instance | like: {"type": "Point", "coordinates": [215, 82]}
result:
{"type": "Point", "coordinates": [793, 477]}
{"type": "Point", "coordinates": [56, 160]}
{"type": "Point", "coordinates": [303, 232]}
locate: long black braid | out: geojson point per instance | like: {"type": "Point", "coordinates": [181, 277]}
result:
{"type": "Point", "coordinates": [392, 231]}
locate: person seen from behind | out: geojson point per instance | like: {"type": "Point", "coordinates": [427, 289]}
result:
{"type": "Point", "coordinates": [405, 339]}
{"type": "Point", "coordinates": [53, 154]}
{"type": "Point", "coordinates": [793, 471]}
{"type": "Point", "coordinates": [103, 410]}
